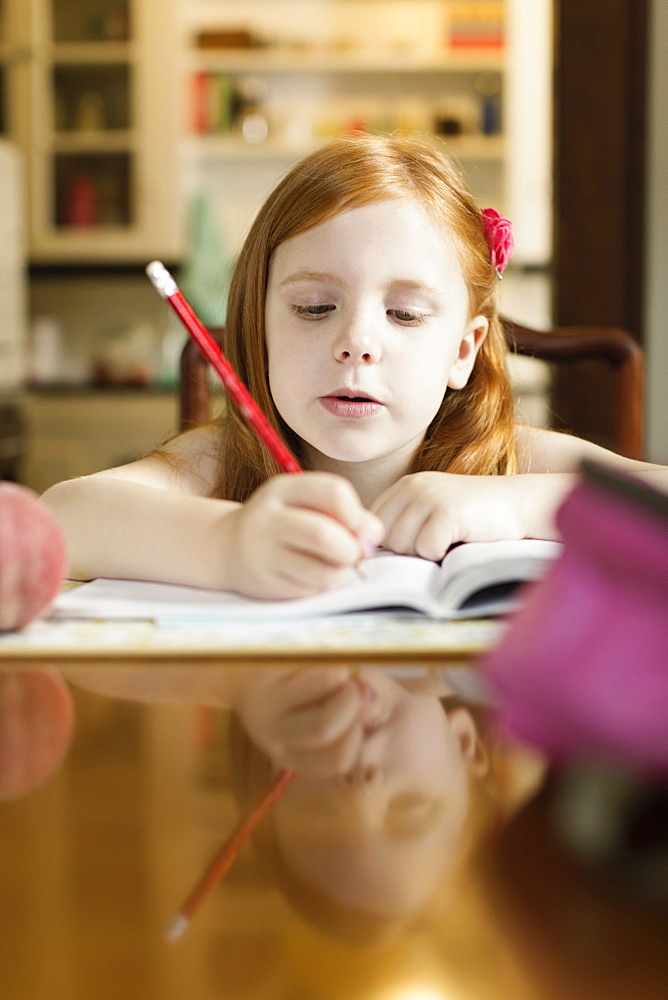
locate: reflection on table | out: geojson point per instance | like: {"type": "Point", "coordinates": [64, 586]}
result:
{"type": "Point", "coordinates": [382, 873]}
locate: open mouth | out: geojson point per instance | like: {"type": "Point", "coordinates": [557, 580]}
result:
{"type": "Point", "coordinates": [348, 403]}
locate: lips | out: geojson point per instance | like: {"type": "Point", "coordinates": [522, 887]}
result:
{"type": "Point", "coordinates": [350, 403]}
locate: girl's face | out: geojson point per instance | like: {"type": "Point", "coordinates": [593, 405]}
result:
{"type": "Point", "coordinates": [367, 324]}
{"type": "Point", "coordinates": [379, 837]}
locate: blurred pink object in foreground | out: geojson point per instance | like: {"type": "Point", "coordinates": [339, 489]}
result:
{"type": "Point", "coordinates": [582, 670]}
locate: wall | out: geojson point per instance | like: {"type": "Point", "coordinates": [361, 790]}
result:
{"type": "Point", "coordinates": [656, 287]}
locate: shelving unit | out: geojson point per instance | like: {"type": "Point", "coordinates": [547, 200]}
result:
{"type": "Point", "coordinates": [101, 144]}
{"type": "Point", "coordinates": [98, 94]}
{"type": "Point", "coordinates": [265, 86]}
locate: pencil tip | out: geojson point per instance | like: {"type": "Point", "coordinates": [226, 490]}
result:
{"type": "Point", "coordinates": [176, 928]}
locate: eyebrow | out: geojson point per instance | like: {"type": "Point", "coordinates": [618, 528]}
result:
{"type": "Point", "coordinates": [397, 285]}
{"type": "Point", "coordinates": [306, 275]}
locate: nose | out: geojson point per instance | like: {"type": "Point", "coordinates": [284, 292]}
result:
{"type": "Point", "coordinates": [361, 776]}
{"type": "Point", "coordinates": [356, 342]}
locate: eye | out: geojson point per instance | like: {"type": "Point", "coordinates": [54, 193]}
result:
{"type": "Point", "coordinates": [313, 312]}
{"type": "Point", "coordinates": [407, 316]}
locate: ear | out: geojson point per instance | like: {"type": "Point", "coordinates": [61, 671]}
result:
{"type": "Point", "coordinates": [471, 342]}
{"type": "Point", "coordinates": [471, 748]}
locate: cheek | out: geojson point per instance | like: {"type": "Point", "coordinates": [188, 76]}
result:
{"type": "Point", "coordinates": [283, 371]}
{"type": "Point", "coordinates": [423, 394]}
{"type": "Point", "coordinates": [424, 742]}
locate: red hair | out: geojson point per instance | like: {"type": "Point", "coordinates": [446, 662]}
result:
{"type": "Point", "coordinates": [474, 429]}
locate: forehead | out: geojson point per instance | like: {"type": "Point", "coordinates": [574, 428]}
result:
{"type": "Point", "coordinates": [395, 233]}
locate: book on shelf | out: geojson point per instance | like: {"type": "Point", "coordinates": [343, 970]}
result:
{"type": "Point", "coordinates": [474, 580]}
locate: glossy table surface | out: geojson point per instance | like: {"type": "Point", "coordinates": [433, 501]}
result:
{"type": "Point", "coordinates": [98, 855]}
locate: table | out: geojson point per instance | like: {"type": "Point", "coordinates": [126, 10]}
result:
{"type": "Point", "coordinates": [95, 861]}
{"type": "Point", "coordinates": [370, 638]}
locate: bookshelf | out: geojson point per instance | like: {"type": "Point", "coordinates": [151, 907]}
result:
{"type": "Point", "coordinates": [102, 144]}
{"type": "Point", "coordinates": [263, 86]}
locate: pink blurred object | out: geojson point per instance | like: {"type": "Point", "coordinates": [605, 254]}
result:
{"type": "Point", "coordinates": [33, 556]}
{"type": "Point", "coordinates": [582, 670]}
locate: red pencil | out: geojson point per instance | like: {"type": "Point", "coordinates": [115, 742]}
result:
{"type": "Point", "coordinates": [250, 411]}
{"type": "Point", "coordinates": [225, 856]}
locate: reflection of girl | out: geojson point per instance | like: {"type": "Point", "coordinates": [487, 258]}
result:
{"type": "Point", "coordinates": [392, 780]}
{"type": "Point", "coordinates": [361, 852]}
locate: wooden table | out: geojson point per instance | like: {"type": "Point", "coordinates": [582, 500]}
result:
{"type": "Point", "coordinates": [379, 638]}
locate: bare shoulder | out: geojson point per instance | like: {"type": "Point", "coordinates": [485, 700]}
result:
{"type": "Point", "coordinates": [186, 464]}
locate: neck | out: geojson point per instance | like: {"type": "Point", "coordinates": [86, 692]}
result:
{"type": "Point", "coordinates": [370, 478]}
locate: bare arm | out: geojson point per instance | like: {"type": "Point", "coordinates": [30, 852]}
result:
{"type": "Point", "coordinates": [150, 519]}
{"type": "Point", "coordinates": [153, 520]}
{"type": "Point", "coordinates": [549, 462]}
{"type": "Point", "coordinates": [426, 512]}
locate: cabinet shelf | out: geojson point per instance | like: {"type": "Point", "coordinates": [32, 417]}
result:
{"type": "Point", "coordinates": [102, 141]}
{"type": "Point", "coordinates": [92, 53]}
{"type": "Point", "coordinates": [289, 62]}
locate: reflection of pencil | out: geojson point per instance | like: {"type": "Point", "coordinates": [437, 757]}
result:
{"type": "Point", "coordinates": [225, 856]}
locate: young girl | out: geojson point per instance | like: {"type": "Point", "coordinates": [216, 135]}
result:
{"type": "Point", "coordinates": [362, 318]}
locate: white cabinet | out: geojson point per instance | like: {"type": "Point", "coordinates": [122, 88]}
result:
{"type": "Point", "coordinates": [91, 102]}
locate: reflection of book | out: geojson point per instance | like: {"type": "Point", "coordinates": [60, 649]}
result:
{"type": "Point", "coordinates": [474, 580]}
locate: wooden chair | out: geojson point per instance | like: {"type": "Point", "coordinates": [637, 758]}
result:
{"type": "Point", "coordinates": [613, 347]}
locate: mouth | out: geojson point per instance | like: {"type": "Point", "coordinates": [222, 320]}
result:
{"type": "Point", "coordinates": [351, 403]}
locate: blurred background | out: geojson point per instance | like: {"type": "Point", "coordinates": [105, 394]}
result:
{"type": "Point", "coordinates": [140, 129]}
{"type": "Point", "coordinates": [136, 129]}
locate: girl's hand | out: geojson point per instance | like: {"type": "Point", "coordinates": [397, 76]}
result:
{"type": "Point", "coordinates": [309, 720]}
{"type": "Point", "coordinates": [427, 512]}
{"type": "Point", "coordinates": [297, 535]}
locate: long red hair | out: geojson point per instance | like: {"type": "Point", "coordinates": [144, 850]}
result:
{"type": "Point", "coordinates": [473, 431]}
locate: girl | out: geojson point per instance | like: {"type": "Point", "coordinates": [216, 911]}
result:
{"type": "Point", "coordinates": [362, 318]}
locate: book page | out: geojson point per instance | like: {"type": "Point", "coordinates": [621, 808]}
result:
{"type": "Point", "coordinates": [477, 566]}
{"type": "Point", "coordinates": [388, 580]}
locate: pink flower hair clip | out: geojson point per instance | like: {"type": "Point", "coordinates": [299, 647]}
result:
{"type": "Point", "coordinates": [499, 235]}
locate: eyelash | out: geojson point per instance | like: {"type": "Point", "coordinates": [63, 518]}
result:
{"type": "Point", "coordinates": [404, 316]}
{"type": "Point", "coordinates": [315, 312]}
{"type": "Point", "coordinates": [312, 312]}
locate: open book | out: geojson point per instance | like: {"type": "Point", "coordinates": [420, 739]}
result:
{"type": "Point", "coordinates": [474, 580]}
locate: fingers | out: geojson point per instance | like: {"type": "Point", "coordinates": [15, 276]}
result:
{"type": "Point", "coordinates": [416, 517]}
{"type": "Point", "coordinates": [347, 522]}
{"type": "Point", "coordinates": [313, 719]}
{"type": "Point", "coordinates": [326, 719]}
{"type": "Point", "coordinates": [297, 534]}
